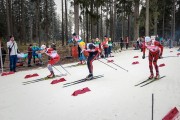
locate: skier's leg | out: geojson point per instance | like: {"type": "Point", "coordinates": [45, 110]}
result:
{"type": "Point", "coordinates": [150, 66]}
{"type": "Point", "coordinates": [49, 66]}
{"type": "Point", "coordinates": [155, 65]}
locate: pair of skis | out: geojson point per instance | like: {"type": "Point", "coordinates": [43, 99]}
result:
{"type": "Point", "coordinates": [80, 81]}
{"type": "Point", "coordinates": [42, 79]}
{"type": "Point", "coordinates": [148, 81]}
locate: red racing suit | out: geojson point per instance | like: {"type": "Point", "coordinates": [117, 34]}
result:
{"type": "Point", "coordinates": [155, 52]}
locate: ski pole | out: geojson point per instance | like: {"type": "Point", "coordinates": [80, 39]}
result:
{"type": "Point", "coordinates": [107, 64]}
{"type": "Point", "coordinates": [60, 65]}
{"type": "Point", "coordinates": [56, 68]}
{"type": "Point", "coordinates": [64, 69]}
{"type": "Point", "coordinates": [118, 66]}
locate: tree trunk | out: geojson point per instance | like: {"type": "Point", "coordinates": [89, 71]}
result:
{"type": "Point", "coordinates": [11, 17]}
{"type": "Point", "coordinates": [129, 19]}
{"type": "Point", "coordinates": [163, 18]}
{"type": "Point", "coordinates": [8, 18]}
{"type": "Point", "coordinates": [174, 21]}
{"type": "Point", "coordinates": [107, 23]}
{"type": "Point", "coordinates": [102, 32]}
{"type": "Point", "coordinates": [92, 19]}
{"type": "Point", "coordinates": [62, 23]}
{"type": "Point", "coordinates": [87, 26]}
{"type": "Point", "coordinates": [115, 20]}
{"type": "Point", "coordinates": [66, 19]}
{"type": "Point", "coordinates": [147, 18]}
{"type": "Point", "coordinates": [97, 32]}
{"type": "Point", "coordinates": [122, 26]}
{"type": "Point", "coordinates": [23, 22]}
{"type": "Point", "coordinates": [111, 21]}
{"type": "Point", "coordinates": [76, 16]}
{"type": "Point", "coordinates": [155, 17]}
{"type": "Point", "coordinates": [37, 22]}
{"type": "Point", "coordinates": [46, 23]}
{"type": "Point", "coordinates": [136, 20]}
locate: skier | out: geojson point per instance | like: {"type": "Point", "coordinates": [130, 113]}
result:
{"type": "Point", "coordinates": [155, 52]}
{"type": "Point", "coordinates": [93, 54]}
{"type": "Point", "coordinates": [53, 59]}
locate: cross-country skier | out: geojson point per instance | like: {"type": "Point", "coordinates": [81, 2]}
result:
{"type": "Point", "coordinates": [53, 59]}
{"type": "Point", "coordinates": [155, 52]}
{"type": "Point", "coordinates": [93, 54]}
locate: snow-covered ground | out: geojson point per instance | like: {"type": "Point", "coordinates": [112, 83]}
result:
{"type": "Point", "coordinates": [113, 97]}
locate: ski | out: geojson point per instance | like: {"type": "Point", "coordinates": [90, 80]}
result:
{"type": "Point", "coordinates": [153, 80]}
{"type": "Point", "coordinates": [81, 80]}
{"type": "Point", "coordinates": [143, 82]}
{"type": "Point", "coordinates": [75, 65]}
{"type": "Point", "coordinates": [41, 79]}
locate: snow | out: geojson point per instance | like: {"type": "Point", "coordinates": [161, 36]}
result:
{"type": "Point", "coordinates": [113, 97]}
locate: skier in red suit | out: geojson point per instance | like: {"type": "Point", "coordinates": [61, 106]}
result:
{"type": "Point", "coordinates": [53, 59]}
{"type": "Point", "coordinates": [155, 52]}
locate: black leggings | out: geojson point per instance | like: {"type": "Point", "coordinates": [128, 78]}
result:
{"type": "Point", "coordinates": [90, 59]}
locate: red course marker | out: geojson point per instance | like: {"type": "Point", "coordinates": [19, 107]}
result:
{"type": "Point", "coordinates": [81, 91]}
{"type": "Point", "coordinates": [7, 73]}
{"type": "Point", "coordinates": [30, 76]}
{"type": "Point", "coordinates": [172, 114]}
{"type": "Point", "coordinates": [58, 81]}
{"type": "Point", "coordinates": [134, 63]}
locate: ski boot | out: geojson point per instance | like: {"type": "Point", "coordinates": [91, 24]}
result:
{"type": "Point", "coordinates": [157, 76]}
{"type": "Point", "coordinates": [89, 77]}
{"type": "Point", "coordinates": [151, 76]}
{"type": "Point", "coordinates": [51, 75]}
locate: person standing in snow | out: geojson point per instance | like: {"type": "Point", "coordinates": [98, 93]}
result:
{"type": "Point", "coordinates": [92, 53]}
{"type": "Point", "coordinates": [29, 55]}
{"type": "Point", "coordinates": [110, 46]}
{"type": "Point", "coordinates": [155, 52]}
{"type": "Point", "coordinates": [78, 39]}
{"type": "Point", "coordinates": [105, 46]}
{"type": "Point", "coordinates": [13, 51]}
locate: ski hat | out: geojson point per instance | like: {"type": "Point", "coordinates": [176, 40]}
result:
{"type": "Point", "coordinates": [147, 39]}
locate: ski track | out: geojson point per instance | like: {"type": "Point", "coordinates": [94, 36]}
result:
{"type": "Point", "coordinates": [112, 97]}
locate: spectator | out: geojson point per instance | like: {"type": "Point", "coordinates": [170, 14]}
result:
{"type": "Point", "coordinates": [110, 46]}
{"type": "Point", "coordinates": [29, 55]}
{"type": "Point", "coordinates": [121, 43]}
{"type": "Point", "coordinates": [35, 50]}
{"type": "Point", "coordinates": [12, 49]}
{"type": "Point", "coordinates": [105, 46]}
{"type": "Point", "coordinates": [127, 42]}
